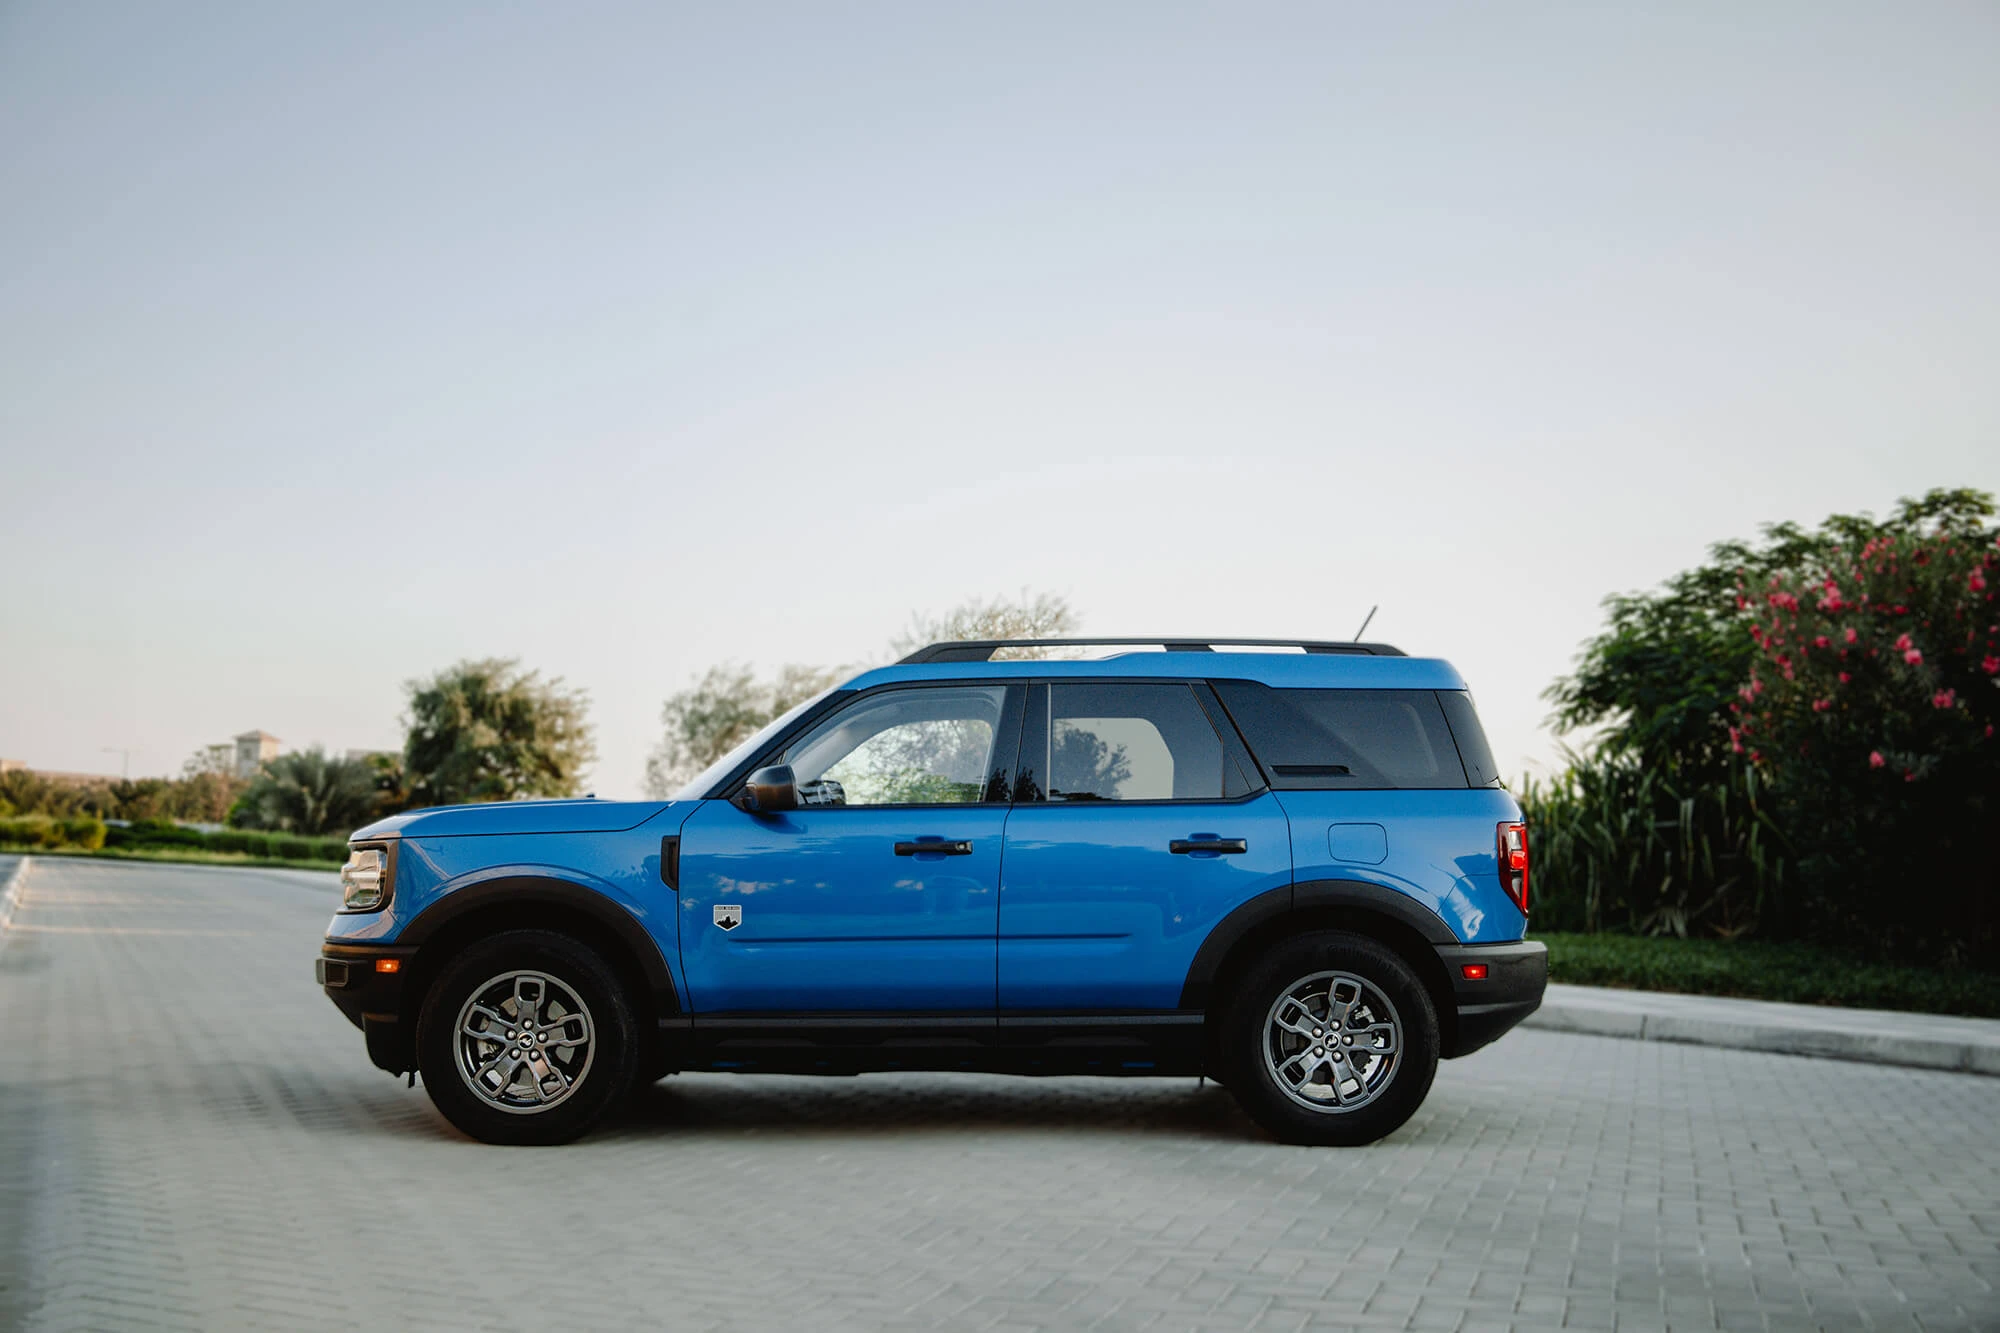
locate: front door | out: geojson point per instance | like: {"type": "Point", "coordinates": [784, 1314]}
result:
{"type": "Point", "coordinates": [1138, 830]}
{"type": "Point", "coordinates": [880, 893]}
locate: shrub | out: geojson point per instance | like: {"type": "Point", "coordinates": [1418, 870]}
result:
{"type": "Point", "coordinates": [1871, 706]}
{"type": "Point", "coordinates": [46, 831]}
{"type": "Point", "coordinates": [240, 840]}
{"type": "Point", "coordinates": [1618, 846]}
{"type": "Point", "coordinates": [292, 849]}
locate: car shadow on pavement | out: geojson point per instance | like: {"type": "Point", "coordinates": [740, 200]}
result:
{"type": "Point", "coordinates": [880, 1104]}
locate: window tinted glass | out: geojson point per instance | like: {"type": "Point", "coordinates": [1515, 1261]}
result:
{"type": "Point", "coordinates": [1480, 770]}
{"type": "Point", "coordinates": [1117, 742]}
{"type": "Point", "coordinates": [1346, 739]}
{"type": "Point", "coordinates": [931, 746]}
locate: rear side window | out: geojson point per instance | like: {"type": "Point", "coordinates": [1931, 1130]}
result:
{"type": "Point", "coordinates": [1480, 770]}
{"type": "Point", "coordinates": [1346, 740]}
{"type": "Point", "coordinates": [1130, 742]}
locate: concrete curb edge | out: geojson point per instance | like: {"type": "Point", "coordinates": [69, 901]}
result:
{"type": "Point", "coordinates": [10, 894]}
{"type": "Point", "coordinates": [1834, 1040]}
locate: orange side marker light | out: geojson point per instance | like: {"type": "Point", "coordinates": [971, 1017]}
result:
{"type": "Point", "coordinates": [396, 965]}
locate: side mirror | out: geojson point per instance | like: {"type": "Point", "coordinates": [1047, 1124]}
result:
{"type": "Point", "coordinates": [769, 791]}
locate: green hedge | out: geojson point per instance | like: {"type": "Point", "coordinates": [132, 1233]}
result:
{"type": "Point", "coordinates": [163, 835]}
{"type": "Point", "coordinates": [83, 832]}
{"type": "Point", "coordinates": [1793, 971]}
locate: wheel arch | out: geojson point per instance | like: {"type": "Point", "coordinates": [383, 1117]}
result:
{"type": "Point", "coordinates": [1396, 920]}
{"type": "Point", "coordinates": [529, 902]}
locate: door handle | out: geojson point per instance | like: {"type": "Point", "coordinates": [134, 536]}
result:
{"type": "Point", "coordinates": [1227, 846]}
{"type": "Point", "coordinates": [934, 847]}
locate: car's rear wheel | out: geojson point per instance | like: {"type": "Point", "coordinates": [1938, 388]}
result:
{"type": "Point", "coordinates": [1330, 1038]}
{"type": "Point", "coordinates": [526, 1038]}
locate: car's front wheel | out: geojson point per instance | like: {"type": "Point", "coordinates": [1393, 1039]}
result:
{"type": "Point", "coordinates": [1332, 1039]}
{"type": "Point", "coordinates": [526, 1038]}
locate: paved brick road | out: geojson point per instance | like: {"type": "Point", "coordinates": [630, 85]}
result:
{"type": "Point", "coordinates": [191, 1137]}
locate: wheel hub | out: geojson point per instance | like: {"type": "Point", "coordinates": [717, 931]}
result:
{"type": "Point", "coordinates": [525, 1041]}
{"type": "Point", "coordinates": [1308, 1064]}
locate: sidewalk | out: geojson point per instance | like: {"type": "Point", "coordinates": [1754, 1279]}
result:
{"type": "Point", "coordinates": [1875, 1036]}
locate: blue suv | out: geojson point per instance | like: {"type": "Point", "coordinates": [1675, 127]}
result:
{"type": "Point", "coordinates": [1295, 872]}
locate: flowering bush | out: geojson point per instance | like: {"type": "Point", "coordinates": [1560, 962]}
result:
{"type": "Point", "coordinates": [1870, 705]}
{"type": "Point", "coordinates": [1851, 670]}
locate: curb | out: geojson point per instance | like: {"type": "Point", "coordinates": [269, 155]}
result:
{"type": "Point", "coordinates": [10, 893]}
{"type": "Point", "coordinates": [1867, 1036]}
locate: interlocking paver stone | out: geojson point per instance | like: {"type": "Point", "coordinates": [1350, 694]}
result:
{"type": "Point", "coordinates": [192, 1138]}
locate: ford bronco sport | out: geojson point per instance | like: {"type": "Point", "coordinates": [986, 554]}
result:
{"type": "Point", "coordinates": [1293, 871]}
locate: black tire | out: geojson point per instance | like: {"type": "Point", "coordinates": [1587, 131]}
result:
{"type": "Point", "coordinates": [586, 1089]}
{"type": "Point", "coordinates": [1406, 1079]}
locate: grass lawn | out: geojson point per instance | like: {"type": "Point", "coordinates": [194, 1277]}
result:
{"type": "Point", "coordinates": [176, 855]}
{"type": "Point", "coordinates": [1759, 970]}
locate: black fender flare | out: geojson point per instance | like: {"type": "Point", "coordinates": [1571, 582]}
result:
{"type": "Point", "coordinates": [539, 891]}
{"type": "Point", "coordinates": [1248, 916]}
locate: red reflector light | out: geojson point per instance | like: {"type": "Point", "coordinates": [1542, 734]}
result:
{"type": "Point", "coordinates": [388, 964]}
{"type": "Point", "coordinates": [1513, 853]}
{"type": "Point", "coordinates": [1473, 971]}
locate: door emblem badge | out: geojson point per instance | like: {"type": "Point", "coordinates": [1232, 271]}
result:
{"type": "Point", "coordinates": [729, 915]}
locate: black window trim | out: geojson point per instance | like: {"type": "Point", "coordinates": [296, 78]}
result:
{"type": "Point", "coordinates": [1006, 742]}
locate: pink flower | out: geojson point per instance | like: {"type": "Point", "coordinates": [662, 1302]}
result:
{"type": "Point", "coordinates": [1844, 678]}
{"type": "Point", "coordinates": [1990, 665]}
{"type": "Point", "coordinates": [1851, 635]}
{"type": "Point", "coordinates": [1977, 580]}
{"type": "Point", "coordinates": [1822, 705]}
{"type": "Point", "coordinates": [1822, 642]}
{"type": "Point", "coordinates": [1902, 643]}
{"type": "Point", "coordinates": [1875, 759]}
{"type": "Point", "coordinates": [1944, 698]}
{"type": "Point", "coordinates": [1913, 657]}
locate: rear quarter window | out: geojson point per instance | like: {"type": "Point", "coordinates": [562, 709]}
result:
{"type": "Point", "coordinates": [1346, 740]}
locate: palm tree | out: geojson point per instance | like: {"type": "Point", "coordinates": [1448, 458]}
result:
{"type": "Point", "coordinates": [309, 793]}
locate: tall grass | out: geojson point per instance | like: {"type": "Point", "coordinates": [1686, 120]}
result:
{"type": "Point", "coordinates": [1621, 847]}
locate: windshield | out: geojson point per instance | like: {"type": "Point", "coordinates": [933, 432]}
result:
{"type": "Point", "coordinates": [699, 784]}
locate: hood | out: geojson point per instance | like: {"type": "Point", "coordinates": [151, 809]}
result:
{"type": "Point", "coordinates": [459, 821]}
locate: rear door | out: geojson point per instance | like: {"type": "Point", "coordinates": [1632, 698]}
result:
{"type": "Point", "coordinates": [1136, 828]}
{"type": "Point", "coordinates": [880, 893]}
{"type": "Point", "coordinates": [1382, 790]}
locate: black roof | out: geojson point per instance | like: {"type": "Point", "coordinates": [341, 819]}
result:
{"type": "Point", "coordinates": [982, 650]}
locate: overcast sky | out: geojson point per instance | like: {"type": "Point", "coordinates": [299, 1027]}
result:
{"type": "Point", "coordinates": [341, 342]}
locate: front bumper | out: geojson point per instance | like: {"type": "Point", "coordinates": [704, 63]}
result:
{"type": "Point", "coordinates": [1516, 976]}
{"type": "Point", "coordinates": [372, 998]}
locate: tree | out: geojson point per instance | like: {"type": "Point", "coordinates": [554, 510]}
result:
{"type": "Point", "coordinates": [488, 731]}
{"type": "Point", "coordinates": [308, 793]}
{"type": "Point", "coordinates": [730, 702]}
{"type": "Point", "coordinates": [718, 712]}
{"type": "Point", "coordinates": [1043, 616]}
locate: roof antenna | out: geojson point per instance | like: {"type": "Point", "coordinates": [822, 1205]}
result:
{"type": "Point", "coordinates": [1364, 624]}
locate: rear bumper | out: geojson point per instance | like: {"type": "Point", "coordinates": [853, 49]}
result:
{"type": "Point", "coordinates": [371, 999]}
{"type": "Point", "coordinates": [1517, 974]}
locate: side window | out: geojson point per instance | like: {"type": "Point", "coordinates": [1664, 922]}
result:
{"type": "Point", "coordinates": [920, 746]}
{"type": "Point", "coordinates": [1108, 741]}
{"type": "Point", "coordinates": [1346, 740]}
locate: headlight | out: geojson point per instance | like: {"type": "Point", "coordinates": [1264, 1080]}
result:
{"type": "Point", "coordinates": [364, 880]}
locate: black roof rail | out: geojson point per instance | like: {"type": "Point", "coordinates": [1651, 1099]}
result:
{"type": "Point", "coordinates": [982, 650]}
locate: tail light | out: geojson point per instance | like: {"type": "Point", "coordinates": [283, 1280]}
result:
{"type": "Point", "coordinates": [1514, 863]}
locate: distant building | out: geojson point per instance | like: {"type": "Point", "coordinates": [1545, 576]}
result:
{"type": "Point", "coordinates": [253, 750]}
